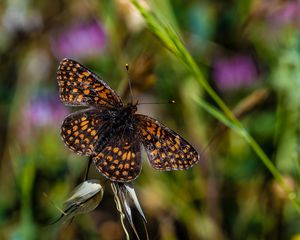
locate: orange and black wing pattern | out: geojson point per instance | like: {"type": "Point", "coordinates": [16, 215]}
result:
{"type": "Point", "coordinates": [80, 86]}
{"type": "Point", "coordinates": [82, 130]}
{"type": "Point", "coordinates": [120, 159]}
{"type": "Point", "coordinates": [165, 149]}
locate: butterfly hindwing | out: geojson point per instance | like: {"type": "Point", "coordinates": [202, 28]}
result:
{"type": "Point", "coordinates": [81, 130]}
{"type": "Point", "coordinates": [165, 149]}
{"type": "Point", "coordinates": [120, 159]}
{"type": "Point", "coordinates": [80, 86]}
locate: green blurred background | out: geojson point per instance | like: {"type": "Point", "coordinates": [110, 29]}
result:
{"type": "Point", "coordinates": [248, 51]}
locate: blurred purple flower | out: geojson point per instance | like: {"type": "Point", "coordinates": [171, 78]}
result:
{"type": "Point", "coordinates": [81, 40]}
{"type": "Point", "coordinates": [44, 111]}
{"type": "Point", "coordinates": [288, 13]}
{"type": "Point", "coordinates": [234, 72]}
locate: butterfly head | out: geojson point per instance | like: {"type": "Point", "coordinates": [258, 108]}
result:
{"type": "Point", "coordinates": [131, 107]}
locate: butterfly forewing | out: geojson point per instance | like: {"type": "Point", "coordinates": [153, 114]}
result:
{"type": "Point", "coordinates": [120, 159]}
{"type": "Point", "coordinates": [80, 86]}
{"type": "Point", "coordinates": [166, 150]}
{"type": "Point", "coordinates": [81, 130]}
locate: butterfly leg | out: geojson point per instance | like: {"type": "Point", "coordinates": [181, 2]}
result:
{"type": "Point", "coordinates": [88, 168]}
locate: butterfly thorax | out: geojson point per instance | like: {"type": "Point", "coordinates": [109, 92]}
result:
{"type": "Point", "coordinates": [117, 121]}
{"type": "Point", "coordinates": [129, 109]}
{"type": "Point", "coordinates": [123, 116]}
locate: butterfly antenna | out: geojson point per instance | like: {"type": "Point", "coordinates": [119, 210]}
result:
{"type": "Point", "coordinates": [169, 102]}
{"type": "Point", "coordinates": [129, 82]}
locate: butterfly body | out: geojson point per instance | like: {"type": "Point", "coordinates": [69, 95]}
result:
{"type": "Point", "coordinates": [112, 133]}
{"type": "Point", "coordinates": [124, 116]}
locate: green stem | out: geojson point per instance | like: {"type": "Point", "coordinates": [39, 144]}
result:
{"type": "Point", "coordinates": [172, 41]}
{"type": "Point", "coordinates": [257, 149]}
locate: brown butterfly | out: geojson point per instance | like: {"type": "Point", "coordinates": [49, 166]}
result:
{"type": "Point", "coordinates": [112, 133]}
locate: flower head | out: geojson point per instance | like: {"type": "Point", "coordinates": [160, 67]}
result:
{"type": "Point", "coordinates": [80, 40]}
{"type": "Point", "coordinates": [43, 110]}
{"type": "Point", "coordinates": [234, 72]}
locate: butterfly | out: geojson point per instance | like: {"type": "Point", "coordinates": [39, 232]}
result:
{"type": "Point", "coordinates": [111, 132]}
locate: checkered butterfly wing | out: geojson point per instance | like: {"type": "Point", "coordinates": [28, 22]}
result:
{"type": "Point", "coordinates": [165, 149]}
{"type": "Point", "coordinates": [120, 158]}
{"type": "Point", "coordinates": [82, 130]}
{"type": "Point", "coordinates": [80, 86]}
